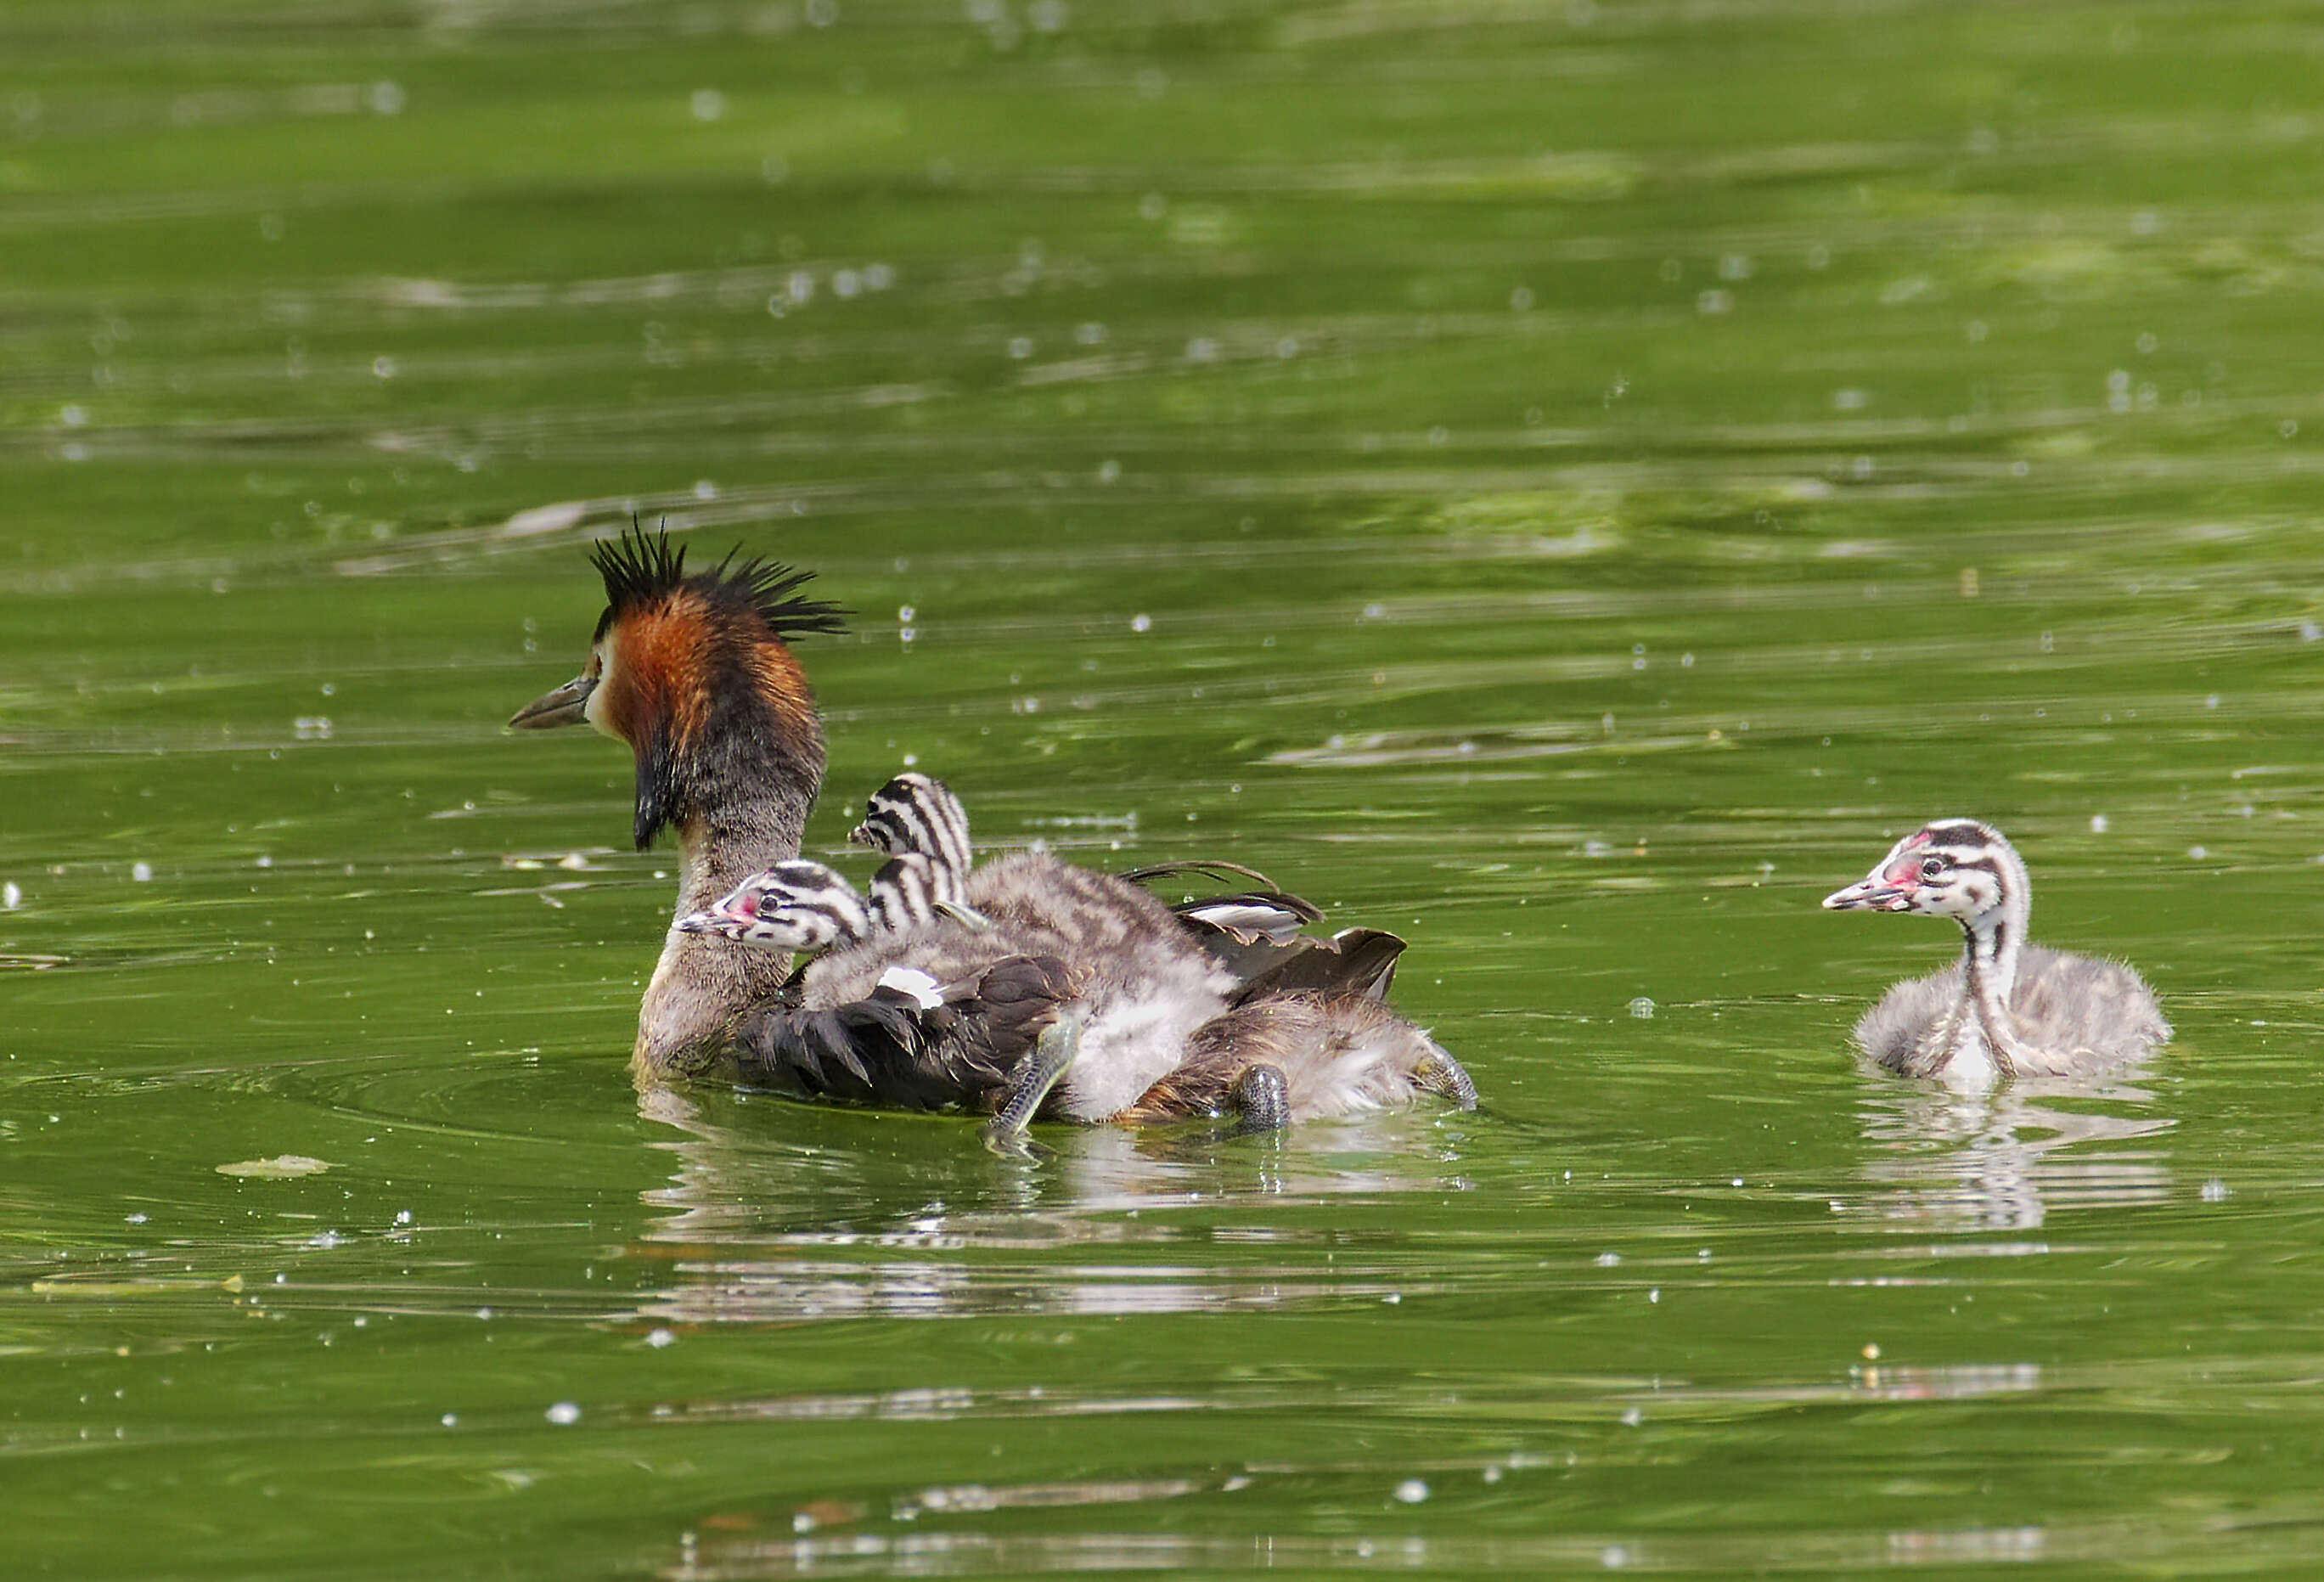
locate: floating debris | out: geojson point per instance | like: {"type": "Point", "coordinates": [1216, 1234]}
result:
{"type": "Point", "coordinates": [282, 1167]}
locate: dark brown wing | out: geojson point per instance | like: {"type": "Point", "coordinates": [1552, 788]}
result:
{"type": "Point", "coordinates": [890, 1049]}
{"type": "Point", "coordinates": [1255, 935]}
{"type": "Point", "coordinates": [1354, 961]}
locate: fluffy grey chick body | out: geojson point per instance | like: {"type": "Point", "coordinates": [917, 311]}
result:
{"type": "Point", "coordinates": [1140, 988]}
{"type": "Point", "coordinates": [1169, 1027]}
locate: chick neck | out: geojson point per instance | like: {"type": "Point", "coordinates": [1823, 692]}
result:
{"type": "Point", "coordinates": [1992, 939]}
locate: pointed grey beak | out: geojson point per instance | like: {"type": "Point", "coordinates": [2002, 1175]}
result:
{"type": "Point", "coordinates": [1871, 893]}
{"type": "Point", "coordinates": [966, 916]}
{"type": "Point", "coordinates": [564, 705]}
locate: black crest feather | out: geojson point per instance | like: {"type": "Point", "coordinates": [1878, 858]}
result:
{"type": "Point", "coordinates": [639, 566]}
{"type": "Point", "coordinates": [772, 588]}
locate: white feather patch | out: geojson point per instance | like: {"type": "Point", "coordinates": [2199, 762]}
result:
{"type": "Point", "coordinates": [1272, 921]}
{"type": "Point", "coordinates": [912, 981]}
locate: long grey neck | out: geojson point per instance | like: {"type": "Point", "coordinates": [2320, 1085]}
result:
{"type": "Point", "coordinates": [1989, 963]}
{"type": "Point", "coordinates": [704, 984]}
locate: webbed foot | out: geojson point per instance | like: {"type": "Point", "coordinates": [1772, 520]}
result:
{"type": "Point", "coordinates": [1440, 1073]}
{"type": "Point", "coordinates": [1262, 1100]}
{"type": "Point", "coordinates": [1036, 1075]}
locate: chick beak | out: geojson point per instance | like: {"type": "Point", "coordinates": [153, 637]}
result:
{"type": "Point", "coordinates": [730, 915]}
{"type": "Point", "coordinates": [862, 836]}
{"type": "Point", "coordinates": [1876, 891]}
{"type": "Point", "coordinates": [566, 705]}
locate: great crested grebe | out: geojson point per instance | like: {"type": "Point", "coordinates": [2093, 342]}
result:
{"type": "Point", "coordinates": [1029, 969]}
{"type": "Point", "coordinates": [2007, 1008]}
{"type": "Point", "coordinates": [695, 674]}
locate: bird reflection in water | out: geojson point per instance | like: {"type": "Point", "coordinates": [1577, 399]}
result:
{"type": "Point", "coordinates": [2004, 1158]}
{"type": "Point", "coordinates": [761, 1228]}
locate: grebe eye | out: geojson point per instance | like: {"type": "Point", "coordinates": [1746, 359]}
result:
{"type": "Point", "coordinates": [1934, 868]}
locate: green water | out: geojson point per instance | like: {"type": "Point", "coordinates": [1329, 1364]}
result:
{"type": "Point", "coordinates": [1568, 483]}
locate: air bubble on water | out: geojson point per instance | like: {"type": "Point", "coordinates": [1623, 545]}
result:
{"type": "Point", "coordinates": [1412, 1491]}
{"type": "Point", "coordinates": [707, 103]}
{"type": "Point", "coordinates": [2097, 823]}
{"type": "Point", "coordinates": [1642, 1008]}
{"type": "Point", "coordinates": [2216, 1190]}
{"type": "Point", "coordinates": [141, 873]}
{"type": "Point", "coordinates": [1141, 622]}
{"type": "Point", "coordinates": [563, 1414]}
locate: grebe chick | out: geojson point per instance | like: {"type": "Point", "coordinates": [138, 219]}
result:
{"type": "Point", "coordinates": [917, 813]}
{"type": "Point", "coordinates": [1292, 1028]}
{"type": "Point", "coordinates": [695, 674]}
{"type": "Point", "coordinates": [913, 1002]}
{"type": "Point", "coordinates": [2007, 1008]}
